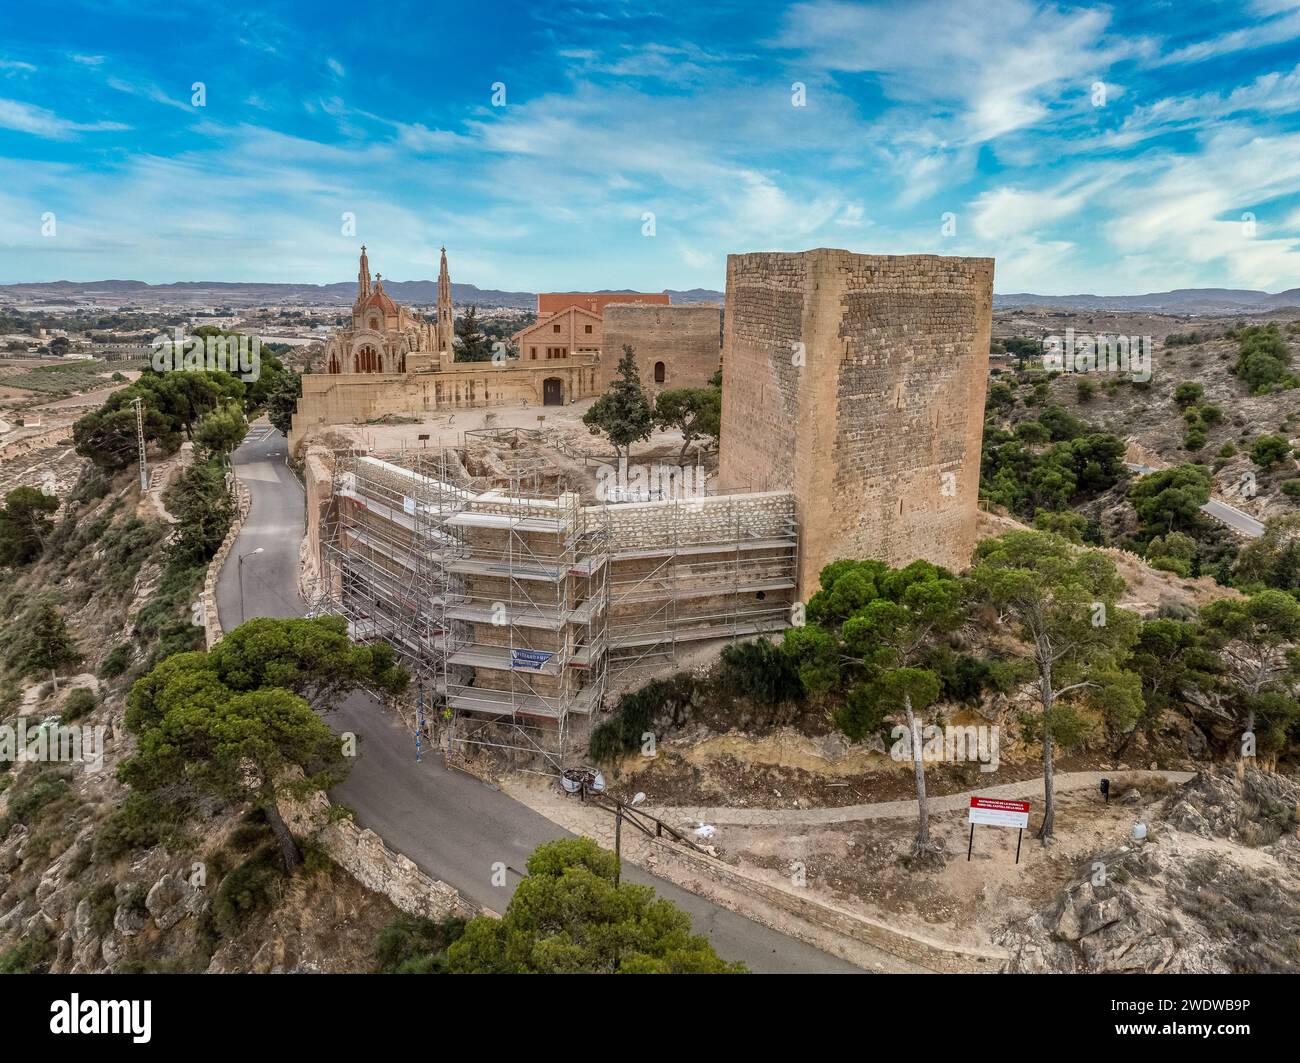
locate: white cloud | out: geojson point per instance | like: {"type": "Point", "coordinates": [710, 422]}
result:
{"type": "Point", "coordinates": [1259, 34]}
{"type": "Point", "coordinates": [983, 76]}
{"type": "Point", "coordinates": [28, 118]}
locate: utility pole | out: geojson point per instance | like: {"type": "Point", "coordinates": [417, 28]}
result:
{"type": "Point", "coordinates": [618, 834]}
{"type": "Point", "coordinates": [139, 438]}
{"type": "Point", "coordinates": [240, 571]}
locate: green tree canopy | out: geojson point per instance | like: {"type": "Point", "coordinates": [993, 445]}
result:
{"type": "Point", "coordinates": [25, 525]}
{"type": "Point", "coordinates": [1256, 639]}
{"type": "Point", "coordinates": [1270, 450]}
{"type": "Point", "coordinates": [1263, 359]}
{"type": "Point", "coordinates": [568, 917]}
{"type": "Point", "coordinates": [695, 412]}
{"type": "Point", "coordinates": [471, 344]}
{"type": "Point", "coordinates": [282, 401]}
{"type": "Point", "coordinates": [1170, 499]}
{"type": "Point", "coordinates": [231, 721]}
{"type": "Point", "coordinates": [221, 430]}
{"type": "Point", "coordinates": [1064, 602]}
{"type": "Point", "coordinates": [623, 413]}
{"type": "Point", "coordinates": [48, 645]}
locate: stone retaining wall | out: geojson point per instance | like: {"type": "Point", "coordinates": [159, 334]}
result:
{"type": "Point", "coordinates": [211, 618]}
{"type": "Point", "coordinates": [363, 855]}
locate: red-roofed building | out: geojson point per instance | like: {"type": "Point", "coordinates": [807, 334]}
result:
{"type": "Point", "coordinates": [549, 303]}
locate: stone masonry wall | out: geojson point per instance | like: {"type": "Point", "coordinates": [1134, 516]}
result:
{"type": "Point", "coordinates": [685, 338]}
{"type": "Point", "coordinates": [645, 525]}
{"type": "Point", "coordinates": [212, 632]}
{"type": "Point", "coordinates": [858, 382]}
{"type": "Point", "coordinates": [356, 398]}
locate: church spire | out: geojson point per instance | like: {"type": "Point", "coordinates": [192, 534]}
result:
{"type": "Point", "coordinates": [363, 277]}
{"type": "Point", "coordinates": [445, 316]}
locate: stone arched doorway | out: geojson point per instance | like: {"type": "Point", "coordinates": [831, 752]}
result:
{"type": "Point", "coordinates": [552, 391]}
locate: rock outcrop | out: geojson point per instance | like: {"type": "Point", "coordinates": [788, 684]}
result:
{"type": "Point", "coordinates": [1214, 888]}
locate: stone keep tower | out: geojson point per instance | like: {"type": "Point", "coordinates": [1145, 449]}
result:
{"type": "Point", "coordinates": [857, 382]}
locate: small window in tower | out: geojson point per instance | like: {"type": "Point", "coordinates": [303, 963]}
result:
{"type": "Point", "coordinates": [588, 329]}
{"type": "Point", "coordinates": [555, 328]}
{"type": "Point", "coordinates": [532, 353]}
{"type": "Point", "coordinates": [659, 372]}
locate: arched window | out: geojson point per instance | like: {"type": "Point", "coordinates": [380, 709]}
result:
{"type": "Point", "coordinates": [659, 372]}
{"type": "Point", "coordinates": [367, 360]}
{"type": "Point", "coordinates": [334, 362]}
{"type": "Point", "coordinates": [374, 323]}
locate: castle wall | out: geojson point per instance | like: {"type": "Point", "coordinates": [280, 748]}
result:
{"type": "Point", "coordinates": [685, 338]}
{"type": "Point", "coordinates": [857, 381]}
{"type": "Point", "coordinates": [357, 398]}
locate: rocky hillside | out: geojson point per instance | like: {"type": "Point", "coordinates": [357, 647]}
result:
{"type": "Point", "coordinates": [1228, 418]}
{"type": "Point", "coordinates": [1215, 887]}
{"type": "Point", "coordinates": [93, 877]}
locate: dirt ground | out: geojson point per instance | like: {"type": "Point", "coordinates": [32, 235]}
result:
{"type": "Point", "coordinates": [565, 457]}
{"type": "Point", "coordinates": [866, 865]}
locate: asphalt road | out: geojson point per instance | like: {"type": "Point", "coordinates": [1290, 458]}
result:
{"type": "Point", "coordinates": [1220, 511]}
{"type": "Point", "coordinates": [1234, 518]}
{"type": "Point", "coordinates": [453, 826]}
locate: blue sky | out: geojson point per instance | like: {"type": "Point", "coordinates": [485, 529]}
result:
{"type": "Point", "coordinates": [1101, 149]}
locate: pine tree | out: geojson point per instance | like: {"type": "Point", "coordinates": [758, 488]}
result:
{"type": "Point", "coordinates": [51, 646]}
{"type": "Point", "coordinates": [623, 413]}
{"type": "Point", "coordinates": [472, 344]}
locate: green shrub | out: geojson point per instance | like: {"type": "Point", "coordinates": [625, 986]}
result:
{"type": "Point", "coordinates": [251, 888]}
{"type": "Point", "coordinates": [103, 906]}
{"type": "Point", "coordinates": [1270, 450]}
{"type": "Point", "coordinates": [77, 704]}
{"type": "Point", "coordinates": [117, 661]}
{"type": "Point", "coordinates": [31, 799]}
{"type": "Point", "coordinates": [761, 672]}
{"type": "Point", "coordinates": [1291, 488]}
{"type": "Point", "coordinates": [412, 945]}
{"type": "Point", "coordinates": [140, 822]}
{"type": "Point", "coordinates": [33, 954]}
{"type": "Point", "coordinates": [637, 713]}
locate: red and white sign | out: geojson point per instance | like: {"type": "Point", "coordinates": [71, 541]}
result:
{"type": "Point", "coordinates": [998, 813]}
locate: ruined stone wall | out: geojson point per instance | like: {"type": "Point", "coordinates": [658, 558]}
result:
{"type": "Point", "coordinates": [858, 382]}
{"type": "Point", "coordinates": [358, 398]}
{"type": "Point", "coordinates": [686, 339]}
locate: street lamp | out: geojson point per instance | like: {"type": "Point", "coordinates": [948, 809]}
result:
{"type": "Point", "coordinates": [240, 568]}
{"type": "Point", "coordinates": [618, 833]}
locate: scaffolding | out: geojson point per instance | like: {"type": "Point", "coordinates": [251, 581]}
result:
{"type": "Point", "coordinates": [513, 609]}
{"type": "Point", "coordinates": [731, 576]}
{"type": "Point", "coordinates": [495, 601]}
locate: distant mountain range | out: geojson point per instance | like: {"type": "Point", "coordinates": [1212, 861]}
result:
{"type": "Point", "coordinates": [425, 293]}
{"type": "Point", "coordinates": [1179, 301]}
{"type": "Point", "coordinates": [226, 293]}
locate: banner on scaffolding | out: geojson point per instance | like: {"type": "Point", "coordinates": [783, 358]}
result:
{"type": "Point", "coordinates": [533, 659]}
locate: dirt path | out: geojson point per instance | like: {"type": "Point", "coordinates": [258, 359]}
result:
{"type": "Point", "coordinates": [765, 817]}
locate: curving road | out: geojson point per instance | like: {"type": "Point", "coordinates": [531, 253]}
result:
{"type": "Point", "coordinates": [454, 827]}
{"type": "Point", "coordinates": [1242, 523]}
